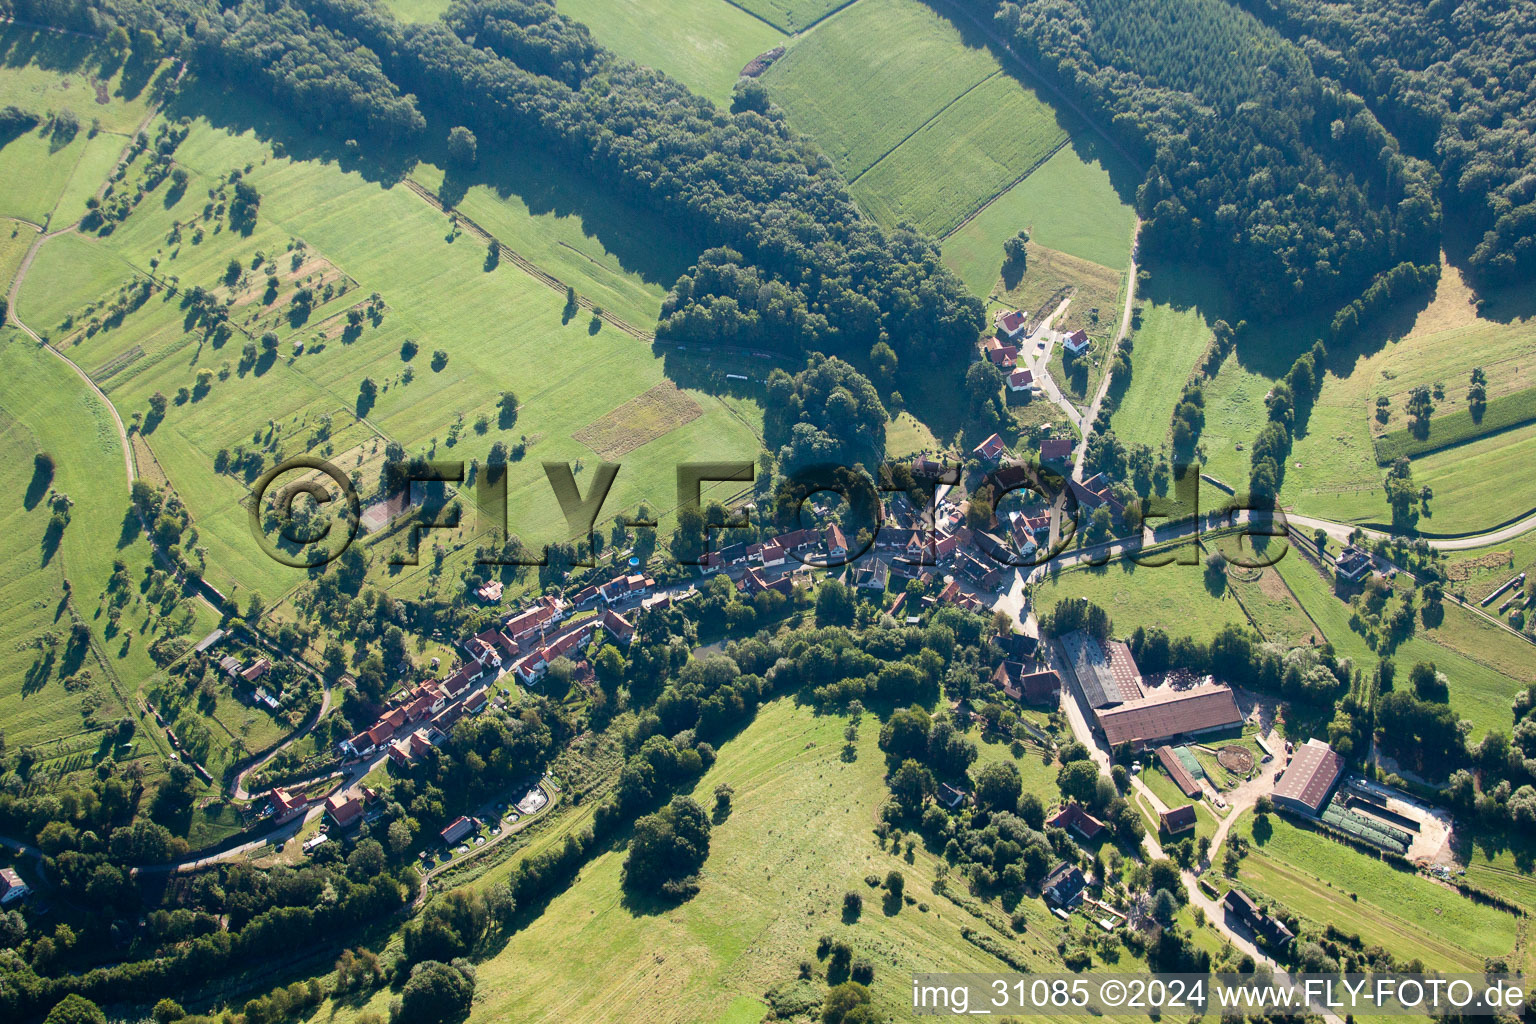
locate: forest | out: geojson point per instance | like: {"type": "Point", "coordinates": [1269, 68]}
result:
{"type": "Point", "coordinates": [1454, 83]}
{"type": "Point", "coordinates": [1284, 180]}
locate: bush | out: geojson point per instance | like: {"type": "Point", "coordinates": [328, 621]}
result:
{"type": "Point", "coordinates": [437, 993]}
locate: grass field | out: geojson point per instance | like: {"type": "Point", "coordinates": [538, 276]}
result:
{"type": "Point", "coordinates": [973, 149]}
{"type": "Point", "coordinates": [939, 135]}
{"type": "Point", "coordinates": [48, 176]}
{"type": "Point", "coordinates": [702, 43]}
{"type": "Point", "coordinates": [798, 837]}
{"type": "Point", "coordinates": [1485, 668]}
{"type": "Point", "coordinates": [498, 329]}
{"type": "Point", "coordinates": [1463, 500]}
{"type": "Point", "coordinates": [621, 257]}
{"type": "Point", "coordinates": [1074, 203]}
{"type": "Point", "coordinates": [1272, 606]}
{"type": "Point", "coordinates": [15, 237]}
{"type": "Point", "coordinates": [1456, 428]}
{"type": "Point", "coordinates": [46, 407]}
{"type": "Point", "coordinates": [1174, 597]}
{"type": "Point", "coordinates": [910, 64]}
{"type": "Point", "coordinates": [1407, 914]}
{"type": "Point", "coordinates": [1332, 471]}
{"type": "Point", "coordinates": [791, 15]}
{"type": "Point", "coordinates": [418, 11]}
{"type": "Point", "coordinates": [1165, 349]}
{"type": "Point", "coordinates": [1049, 276]}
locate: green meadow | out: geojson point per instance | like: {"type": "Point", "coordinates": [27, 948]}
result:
{"type": "Point", "coordinates": [1329, 883]}
{"type": "Point", "coordinates": [1165, 349]}
{"type": "Point", "coordinates": [976, 147]}
{"type": "Point", "coordinates": [49, 175]}
{"type": "Point", "coordinates": [44, 406]}
{"type": "Point", "coordinates": [1486, 667]}
{"type": "Point", "coordinates": [419, 11]}
{"type": "Point", "coordinates": [910, 62]}
{"type": "Point", "coordinates": [1071, 203]}
{"type": "Point", "coordinates": [702, 43]}
{"type": "Point", "coordinates": [790, 15]}
{"type": "Point", "coordinates": [15, 238]}
{"type": "Point", "coordinates": [498, 329]}
{"type": "Point", "coordinates": [799, 835]}
{"type": "Point", "coordinates": [1332, 471]}
{"type": "Point", "coordinates": [1173, 597]}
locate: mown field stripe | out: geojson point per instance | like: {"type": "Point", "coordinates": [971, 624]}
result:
{"type": "Point", "coordinates": [1006, 188]}
{"type": "Point", "coordinates": [777, 28]}
{"type": "Point", "coordinates": [1502, 414]}
{"type": "Point", "coordinates": [836, 10]}
{"type": "Point", "coordinates": [936, 115]}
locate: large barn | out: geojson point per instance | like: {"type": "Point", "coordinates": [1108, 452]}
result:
{"type": "Point", "coordinates": [1310, 778]}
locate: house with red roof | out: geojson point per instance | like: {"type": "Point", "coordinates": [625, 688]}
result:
{"type": "Point", "coordinates": [1000, 352]}
{"type": "Point", "coordinates": [1021, 379]}
{"type": "Point", "coordinates": [344, 809]}
{"type": "Point", "coordinates": [1076, 342]}
{"type": "Point", "coordinates": [1012, 323]}
{"type": "Point", "coordinates": [285, 805]}
{"type": "Point", "coordinates": [991, 449]}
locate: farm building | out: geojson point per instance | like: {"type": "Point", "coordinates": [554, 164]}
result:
{"type": "Point", "coordinates": [1177, 819]}
{"type": "Point", "coordinates": [208, 641]}
{"type": "Point", "coordinates": [1064, 884]}
{"type": "Point", "coordinates": [1309, 780]}
{"type": "Point", "coordinates": [457, 829]}
{"type": "Point", "coordinates": [1240, 905]}
{"type": "Point", "coordinates": [1105, 675]}
{"type": "Point", "coordinates": [1029, 687]}
{"type": "Point", "coordinates": [1168, 713]}
{"type": "Point", "coordinates": [1182, 777]}
{"type": "Point", "coordinates": [1074, 817]}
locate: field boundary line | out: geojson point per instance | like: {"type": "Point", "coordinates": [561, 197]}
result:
{"type": "Point", "coordinates": [840, 8]}
{"type": "Point", "coordinates": [781, 30]}
{"type": "Point", "coordinates": [936, 114]}
{"type": "Point", "coordinates": [523, 263]}
{"type": "Point", "coordinates": [1040, 76]}
{"type": "Point", "coordinates": [1015, 183]}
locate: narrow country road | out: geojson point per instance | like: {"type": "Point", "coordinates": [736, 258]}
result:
{"type": "Point", "coordinates": [238, 791]}
{"type": "Point", "coordinates": [1241, 799]}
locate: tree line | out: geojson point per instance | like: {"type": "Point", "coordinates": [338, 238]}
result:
{"type": "Point", "coordinates": [1280, 178]}
{"type": "Point", "coordinates": [1452, 81]}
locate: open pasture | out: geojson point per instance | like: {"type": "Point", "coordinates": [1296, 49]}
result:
{"type": "Point", "coordinates": [495, 330]}
{"type": "Point", "coordinates": [790, 15]}
{"type": "Point", "coordinates": [910, 64]}
{"type": "Point", "coordinates": [1330, 883]}
{"type": "Point", "coordinates": [799, 835]}
{"type": "Point", "coordinates": [976, 147]}
{"type": "Point", "coordinates": [1076, 203]}
{"type": "Point", "coordinates": [1164, 351]}
{"type": "Point", "coordinates": [702, 43]}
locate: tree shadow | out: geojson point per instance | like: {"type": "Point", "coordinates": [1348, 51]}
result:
{"type": "Point", "coordinates": [42, 479]}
